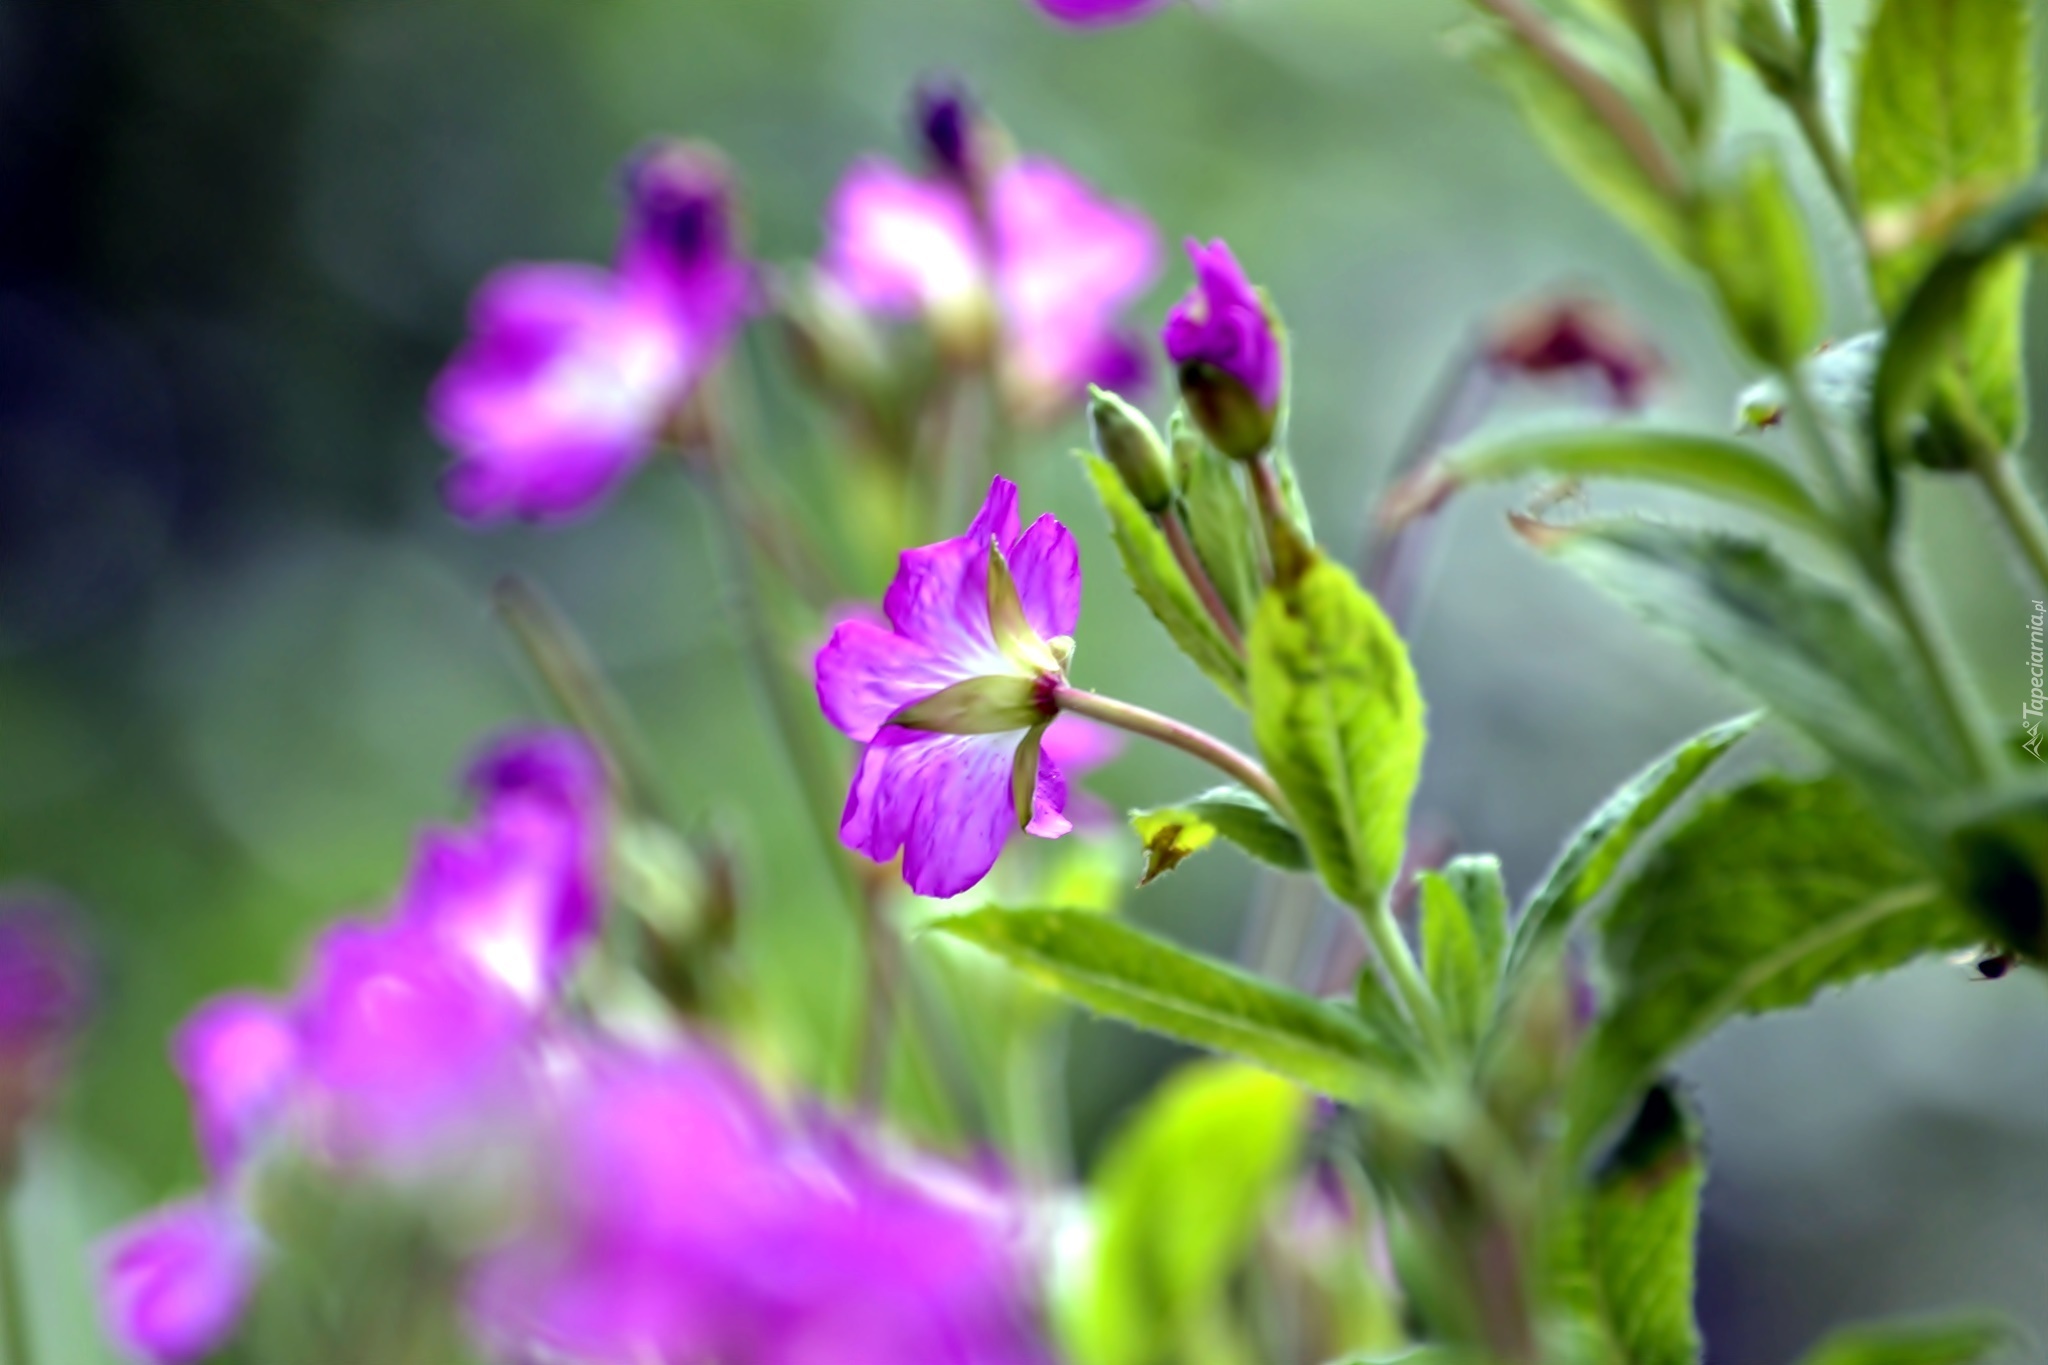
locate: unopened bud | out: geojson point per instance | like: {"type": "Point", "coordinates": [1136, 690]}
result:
{"type": "Point", "coordinates": [1226, 411]}
{"type": "Point", "coordinates": [945, 121]}
{"type": "Point", "coordinates": [1128, 441]}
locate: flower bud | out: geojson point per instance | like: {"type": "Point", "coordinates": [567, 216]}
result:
{"type": "Point", "coordinates": [1128, 441]}
{"type": "Point", "coordinates": [947, 125]}
{"type": "Point", "coordinates": [1228, 351]}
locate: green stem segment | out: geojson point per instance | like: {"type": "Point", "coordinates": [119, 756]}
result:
{"type": "Point", "coordinates": [1392, 948]}
{"type": "Point", "coordinates": [1186, 738]}
{"type": "Point", "coordinates": [14, 1334]}
{"type": "Point", "coordinates": [1825, 146]}
{"type": "Point", "coordinates": [819, 783]}
{"type": "Point", "coordinates": [1198, 577]}
{"type": "Point", "coordinates": [2022, 516]}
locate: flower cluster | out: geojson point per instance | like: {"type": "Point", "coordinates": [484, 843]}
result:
{"type": "Point", "coordinates": [678, 1212]}
{"type": "Point", "coordinates": [1020, 255]}
{"type": "Point", "coordinates": [571, 372]}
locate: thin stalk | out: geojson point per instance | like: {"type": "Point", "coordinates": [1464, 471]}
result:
{"type": "Point", "coordinates": [1938, 659]}
{"type": "Point", "coordinates": [1600, 97]}
{"type": "Point", "coordinates": [819, 784]}
{"type": "Point", "coordinates": [1186, 738]}
{"type": "Point", "coordinates": [1825, 455]}
{"type": "Point", "coordinates": [2022, 516]}
{"type": "Point", "coordinates": [14, 1334]}
{"type": "Point", "coordinates": [1205, 587]}
{"type": "Point", "coordinates": [570, 673]}
{"type": "Point", "coordinates": [1827, 151]}
{"type": "Point", "coordinates": [1391, 945]}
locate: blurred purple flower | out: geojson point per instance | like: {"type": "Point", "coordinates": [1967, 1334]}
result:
{"type": "Point", "coordinates": [174, 1282]}
{"type": "Point", "coordinates": [571, 371]}
{"type": "Point", "coordinates": [45, 995]}
{"type": "Point", "coordinates": [45, 978]}
{"type": "Point", "coordinates": [952, 698]}
{"type": "Point", "coordinates": [690, 1222]}
{"type": "Point", "coordinates": [408, 1048]}
{"type": "Point", "coordinates": [1051, 268]}
{"type": "Point", "coordinates": [1222, 322]}
{"type": "Point", "coordinates": [1089, 12]}
{"type": "Point", "coordinates": [238, 1055]}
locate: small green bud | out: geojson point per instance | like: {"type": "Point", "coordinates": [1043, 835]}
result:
{"type": "Point", "coordinates": [1227, 412]}
{"type": "Point", "coordinates": [1128, 441]}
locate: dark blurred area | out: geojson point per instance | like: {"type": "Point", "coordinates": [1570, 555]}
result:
{"type": "Point", "coordinates": [241, 650]}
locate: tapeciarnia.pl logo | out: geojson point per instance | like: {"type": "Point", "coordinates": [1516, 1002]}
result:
{"type": "Point", "coordinates": [2030, 714]}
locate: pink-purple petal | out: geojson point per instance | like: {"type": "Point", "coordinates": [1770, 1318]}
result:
{"type": "Point", "coordinates": [557, 394]}
{"type": "Point", "coordinates": [1046, 564]}
{"type": "Point", "coordinates": [1068, 262]}
{"type": "Point", "coordinates": [943, 801]}
{"type": "Point", "coordinates": [867, 673]}
{"type": "Point", "coordinates": [902, 245]}
{"type": "Point", "coordinates": [174, 1283]}
{"type": "Point", "coordinates": [238, 1056]}
{"type": "Point", "coordinates": [939, 596]}
{"type": "Point", "coordinates": [1091, 12]}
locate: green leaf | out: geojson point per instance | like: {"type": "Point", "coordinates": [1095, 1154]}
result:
{"type": "Point", "coordinates": [1160, 582]}
{"type": "Point", "coordinates": [1218, 519]}
{"type": "Point", "coordinates": [1143, 980]}
{"type": "Point", "coordinates": [1713, 466]}
{"type": "Point", "coordinates": [1338, 720]}
{"type": "Point", "coordinates": [1922, 406]}
{"type": "Point", "coordinates": [1451, 960]}
{"type": "Point", "coordinates": [1173, 833]}
{"type": "Point", "coordinates": [1477, 880]}
{"type": "Point", "coordinates": [1955, 1339]}
{"type": "Point", "coordinates": [1768, 895]}
{"type": "Point", "coordinates": [1597, 848]}
{"type": "Point", "coordinates": [1752, 242]}
{"type": "Point", "coordinates": [1585, 145]}
{"type": "Point", "coordinates": [1945, 122]}
{"type": "Point", "coordinates": [1631, 1241]}
{"type": "Point", "coordinates": [1177, 1202]}
{"type": "Point", "coordinates": [1812, 655]}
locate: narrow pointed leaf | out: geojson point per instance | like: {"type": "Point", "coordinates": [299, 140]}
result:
{"type": "Point", "coordinates": [1711, 466]}
{"type": "Point", "coordinates": [1451, 962]}
{"type": "Point", "coordinates": [1597, 848]}
{"type": "Point", "coordinates": [1957, 1339]}
{"type": "Point", "coordinates": [1795, 642]}
{"type": "Point", "coordinates": [1131, 975]}
{"type": "Point", "coordinates": [1160, 582]}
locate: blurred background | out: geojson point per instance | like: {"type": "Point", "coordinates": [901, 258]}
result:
{"type": "Point", "coordinates": [242, 650]}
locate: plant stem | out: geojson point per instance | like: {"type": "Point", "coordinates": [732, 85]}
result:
{"type": "Point", "coordinates": [1205, 587]}
{"type": "Point", "coordinates": [818, 783]}
{"type": "Point", "coordinates": [13, 1302]}
{"type": "Point", "coordinates": [1391, 945]}
{"type": "Point", "coordinates": [565, 666]}
{"type": "Point", "coordinates": [1186, 738]}
{"type": "Point", "coordinates": [1599, 95]}
{"type": "Point", "coordinates": [1825, 456]}
{"type": "Point", "coordinates": [1938, 659]}
{"type": "Point", "coordinates": [2000, 476]}
{"type": "Point", "coordinates": [1820, 138]}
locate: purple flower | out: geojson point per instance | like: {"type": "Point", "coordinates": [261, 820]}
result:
{"type": "Point", "coordinates": [689, 1221]}
{"type": "Point", "coordinates": [1051, 269]}
{"type": "Point", "coordinates": [409, 1048]}
{"type": "Point", "coordinates": [173, 1284]}
{"type": "Point", "coordinates": [570, 371]}
{"type": "Point", "coordinates": [1223, 323]}
{"type": "Point", "coordinates": [238, 1056]}
{"type": "Point", "coordinates": [1089, 12]}
{"type": "Point", "coordinates": [952, 698]}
